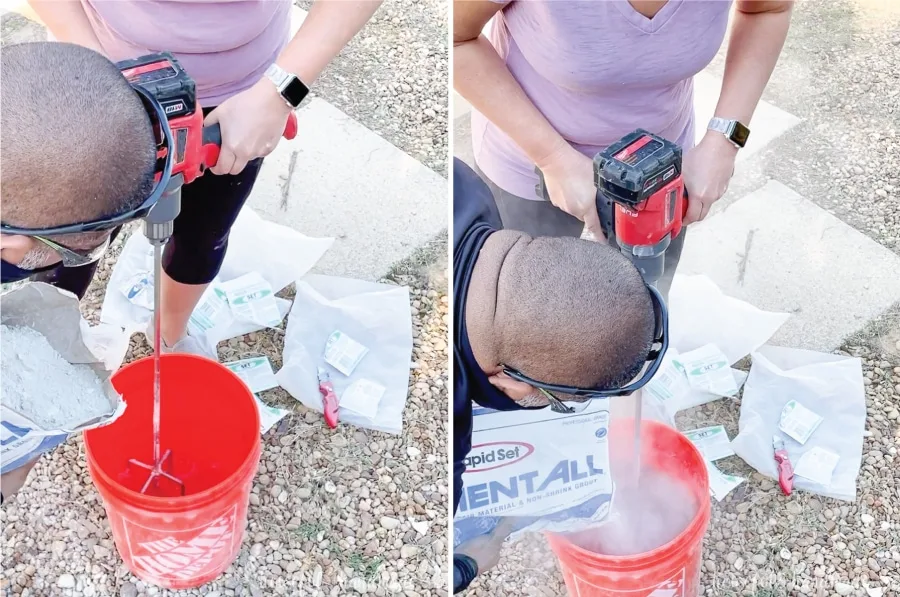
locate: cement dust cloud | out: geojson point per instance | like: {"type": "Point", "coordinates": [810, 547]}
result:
{"type": "Point", "coordinates": [643, 517]}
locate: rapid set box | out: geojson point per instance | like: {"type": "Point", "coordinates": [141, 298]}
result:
{"type": "Point", "coordinates": [548, 470]}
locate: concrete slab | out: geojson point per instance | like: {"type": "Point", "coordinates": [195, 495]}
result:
{"type": "Point", "coordinates": [781, 252]}
{"type": "Point", "coordinates": [769, 122]}
{"type": "Point", "coordinates": [338, 178]}
{"type": "Point", "coordinates": [460, 106]}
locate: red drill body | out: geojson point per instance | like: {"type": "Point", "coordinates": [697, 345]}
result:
{"type": "Point", "coordinates": [639, 181]}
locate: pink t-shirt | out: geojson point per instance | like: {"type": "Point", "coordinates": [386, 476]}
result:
{"type": "Point", "coordinates": [225, 45]}
{"type": "Point", "coordinates": [597, 71]}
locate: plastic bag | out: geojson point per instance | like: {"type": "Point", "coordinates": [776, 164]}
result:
{"type": "Point", "coordinates": [55, 314]}
{"type": "Point", "coordinates": [377, 316]}
{"type": "Point", "coordinates": [278, 253]}
{"type": "Point", "coordinates": [828, 385]}
{"type": "Point", "coordinates": [700, 314]}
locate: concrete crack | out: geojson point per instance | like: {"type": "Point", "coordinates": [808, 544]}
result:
{"type": "Point", "coordinates": [286, 184]}
{"type": "Point", "coordinates": [742, 266]}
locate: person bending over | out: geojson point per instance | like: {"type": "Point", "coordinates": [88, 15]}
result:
{"type": "Point", "coordinates": [250, 71]}
{"type": "Point", "coordinates": [561, 310]}
{"type": "Point", "coordinates": [78, 146]}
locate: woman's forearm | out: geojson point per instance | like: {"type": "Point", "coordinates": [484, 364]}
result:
{"type": "Point", "coordinates": [482, 78]}
{"type": "Point", "coordinates": [328, 27]}
{"type": "Point", "coordinates": [67, 21]}
{"type": "Point", "coordinates": [757, 37]}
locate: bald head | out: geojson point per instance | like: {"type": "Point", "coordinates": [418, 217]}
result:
{"type": "Point", "coordinates": [76, 140]}
{"type": "Point", "coordinates": [560, 310]}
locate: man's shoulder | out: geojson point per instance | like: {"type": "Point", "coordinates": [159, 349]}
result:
{"type": "Point", "coordinates": [473, 202]}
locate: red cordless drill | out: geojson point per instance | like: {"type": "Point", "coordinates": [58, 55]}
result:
{"type": "Point", "coordinates": [195, 147]}
{"type": "Point", "coordinates": [641, 198]}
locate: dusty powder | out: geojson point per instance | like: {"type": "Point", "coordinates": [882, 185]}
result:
{"type": "Point", "coordinates": [643, 517]}
{"type": "Point", "coordinates": [39, 384]}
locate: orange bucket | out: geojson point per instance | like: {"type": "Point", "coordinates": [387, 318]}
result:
{"type": "Point", "coordinates": [670, 570]}
{"type": "Point", "coordinates": [209, 419]}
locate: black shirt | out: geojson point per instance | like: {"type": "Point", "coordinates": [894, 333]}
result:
{"type": "Point", "coordinates": [475, 218]}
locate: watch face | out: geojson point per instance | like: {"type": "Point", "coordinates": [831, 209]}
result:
{"type": "Point", "coordinates": [295, 91]}
{"type": "Point", "coordinates": [740, 134]}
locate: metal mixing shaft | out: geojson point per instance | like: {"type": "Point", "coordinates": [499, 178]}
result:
{"type": "Point", "coordinates": [158, 227]}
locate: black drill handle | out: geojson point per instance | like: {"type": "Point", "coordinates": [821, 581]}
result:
{"type": "Point", "coordinates": [605, 206]}
{"type": "Point", "coordinates": [212, 139]}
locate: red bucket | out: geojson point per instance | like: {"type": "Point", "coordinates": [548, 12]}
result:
{"type": "Point", "coordinates": [210, 422]}
{"type": "Point", "coordinates": [671, 570]}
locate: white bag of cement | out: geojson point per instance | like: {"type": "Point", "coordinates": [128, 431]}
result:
{"type": "Point", "coordinates": [278, 254]}
{"type": "Point", "coordinates": [376, 316]}
{"type": "Point", "coordinates": [548, 471]}
{"type": "Point", "coordinates": [830, 386]}
{"type": "Point", "coordinates": [699, 314]}
{"type": "Point", "coordinates": [52, 382]}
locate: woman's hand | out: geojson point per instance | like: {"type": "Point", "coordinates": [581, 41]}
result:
{"type": "Point", "coordinates": [569, 179]}
{"type": "Point", "coordinates": [706, 169]}
{"type": "Point", "coordinates": [252, 123]}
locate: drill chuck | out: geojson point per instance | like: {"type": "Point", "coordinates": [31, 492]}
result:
{"type": "Point", "coordinates": [159, 233]}
{"type": "Point", "coordinates": [159, 224]}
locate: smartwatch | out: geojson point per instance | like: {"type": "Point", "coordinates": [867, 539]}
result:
{"type": "Point", "coordinates": [289, 86]}
{"type": "Point", "coordinates": [736, 132]}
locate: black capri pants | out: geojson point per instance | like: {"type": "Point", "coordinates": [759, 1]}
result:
{"type": "Point", "coordinates": [194, 254]}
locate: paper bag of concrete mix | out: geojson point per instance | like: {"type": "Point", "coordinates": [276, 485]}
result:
{"type": "Point", "coordinates": [700, 314]}
{"type": "Point", "coordinates": [815, 402]}
{"type": "Point", "coordinates": [53, 380]}
{"type": "Point", "coordinates": [271, 254]}
{"type": "Point", "coordinates": [361, 333]}
{"type": "Point", "coordinates": [548, 471]}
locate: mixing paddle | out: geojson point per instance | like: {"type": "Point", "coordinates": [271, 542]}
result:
{"type": "Point", "coordinates": [156, 469]}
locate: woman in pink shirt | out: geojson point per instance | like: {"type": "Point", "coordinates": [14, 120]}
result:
{"type": "Point", "coordinates": [250, 74]}
{"type": "Point", "coordinates": [560, 80]}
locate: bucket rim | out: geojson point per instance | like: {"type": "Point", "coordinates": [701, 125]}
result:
{"type": "Point", "coordinates": [697, 526]}
{"type": "Point", "coordinates": [168, 504]}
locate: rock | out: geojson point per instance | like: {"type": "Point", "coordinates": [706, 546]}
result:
{"type": "Point", "coordinates": [867, 519]}
{"type": "Point", "coordinates": [409, 551]}
{"type": "Point", "coordinates": [759, 559]}
{"type": "Point", "coordinates": [359, 585]}
{"type": "Point", "coordinates": [128, 590]}
{"type": "Point", "coordinates": [739, 564]}
{"type": "Point", "coordinates": [66, 581]}
{"type": "Point", "coordinates": [785, 553]}
{"type": "Point", "coordinates": [842, 588]}
{"type": "Point", "coordinates": [317, 576]}
{"type": "Point", "coordinates": [389, 523]}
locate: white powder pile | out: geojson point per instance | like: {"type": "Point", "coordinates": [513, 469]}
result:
{"type": "Point", "coordinates": [41, 385]}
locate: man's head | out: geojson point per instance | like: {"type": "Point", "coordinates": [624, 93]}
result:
{"type": "Point", "coordinates": [560, 310]}
{"type": "Point", "coordinates": [77, 145]}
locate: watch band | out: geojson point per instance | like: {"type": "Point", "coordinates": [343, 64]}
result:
{"type": "Point", "coordinates": [289, 86]}
{"type": "Point", "coordinates": [734, 130]}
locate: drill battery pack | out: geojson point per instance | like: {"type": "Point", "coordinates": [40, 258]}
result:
{"type": "Point", "coordinates": [162, 76]}
{"type": "Point", "coordinates": [636, 167]}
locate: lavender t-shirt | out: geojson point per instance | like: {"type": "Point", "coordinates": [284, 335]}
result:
{"type": "Point", "coordinates": [597, 70]}
{"type": "Point", "coordinates": [225, 45]}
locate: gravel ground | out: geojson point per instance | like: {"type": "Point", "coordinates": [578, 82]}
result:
{"type": "Point", "coordinates": [845, 156]}
{"type": "Point", "coordinates": [331, 512]}
{"type": "Point", "coordinates": [400, 61]}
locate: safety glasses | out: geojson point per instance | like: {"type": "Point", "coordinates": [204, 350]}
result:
{"type": "Point", "coordinates": [72, 257]}
{"type": "Point", "coordinates": [164, 173]}
{"type": "Point", "coordinates": [654, 360]}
